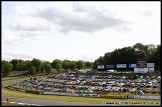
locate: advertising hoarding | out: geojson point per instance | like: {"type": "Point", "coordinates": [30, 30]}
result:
{"type": "Point", "coordinates": [140, 70]}
{"type": "Point", "coordinates": [150, 65]}
{"type": "Point", "coordinates": [150, 70]}
{"type": "Point", "coordinates": [100, 67]}
{"type": "Point", "coordinates": [110, 66]}
{"type": "Point", "coordinates": [121, 65]}
{"type": "Point", "coordinates": [132, 65]}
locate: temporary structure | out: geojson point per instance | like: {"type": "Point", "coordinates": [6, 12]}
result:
{"type": "Point", "coordinates": [140, 92]}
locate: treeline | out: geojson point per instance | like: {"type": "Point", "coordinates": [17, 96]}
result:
{"type": "Point", "coordinates": [128, 55]}
{"type": "Point", "coordinates": [36, 66]}
{"type": "Point", "coordinates": [125, 55]}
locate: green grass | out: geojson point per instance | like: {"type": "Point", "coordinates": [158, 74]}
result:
{"type": "Point", "coordinates": [6, 92]}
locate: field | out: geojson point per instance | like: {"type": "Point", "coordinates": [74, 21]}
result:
{"type": "Point", "coordinates": [6, 92]}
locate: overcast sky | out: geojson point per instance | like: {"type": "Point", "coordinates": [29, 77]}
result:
{"type": "Point", "coordinates": [76, 30]}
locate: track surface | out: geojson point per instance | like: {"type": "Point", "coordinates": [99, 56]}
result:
{"type": "Point", "coordinates": [47, 102]}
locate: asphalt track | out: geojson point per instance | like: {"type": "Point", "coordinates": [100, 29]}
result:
{"type": "Point", "coordinates": [48, 102]}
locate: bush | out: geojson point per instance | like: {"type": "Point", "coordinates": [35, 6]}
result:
{"type": "Point", "coordinates": [33, 92]}
{"type": "Point", "coordinates": [10, 88]}
{"type": "Point", "coordinates": [28, 91]}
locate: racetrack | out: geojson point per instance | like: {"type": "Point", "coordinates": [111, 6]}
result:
{"type": "Point", "coordinates": [47, 102]}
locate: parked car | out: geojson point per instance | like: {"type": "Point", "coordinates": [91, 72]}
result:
{"type": "Point", "coordinates": [154, 80]}
{"type": "Point", "coordinates": [155, 85]}
{"type": "Point", "coordinates": [149, 84]}
{"type": "Point", "coordinates": [143, 84]}
{"type": "Point", "coordinates": [155, 90]}
{"type": "Point", "coordinates": [148, 90]}
{"type": "Point", "coordinates": [138, 81]}
{"type": "Point", "coordinates": [143, 81]}
{"type": "Point", "coordinates": [131, 89]}
{"type": "Point", "coordinates": [141, 89]}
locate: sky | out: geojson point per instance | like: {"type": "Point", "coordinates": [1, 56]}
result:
{"type": "Point", "coordinates": [76, 30]}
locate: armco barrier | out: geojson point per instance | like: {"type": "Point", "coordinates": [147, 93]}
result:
{"type": "Point", "coordinates": [71, 94]}
{"type": "Point", "coordinates": [112, 96]}
{"type": "Point", "coordinates": [147, 97]}
{"type": "Point", "coordinates": [21, 90]}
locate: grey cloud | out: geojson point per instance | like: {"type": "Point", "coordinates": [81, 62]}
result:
{"type": "Point", "coordinates": [13, 39]}
{"type": "Point", "coordinates": [19, 55]}
{"type": "Point", "coordinates": [93, 20]}
{"type": "Point", "coordinates": [30, 26]}
{"type": "Point", "coordinates": [80, 18]}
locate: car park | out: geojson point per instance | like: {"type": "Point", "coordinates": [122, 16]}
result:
{"type": "Point", "coordinates": [94, 84]}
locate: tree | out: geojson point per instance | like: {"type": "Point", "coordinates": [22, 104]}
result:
{"type": "Point", "coordinates": [58, 67]}
{"type": "Point", "coordinates": [66, 64]}
{"type": "Point", "coordinates": [155, 57]}
{"type": "Point", "coordinates": [47, 68]}
{"type": "Point", "coordinates": [130, 55]}
{"type": "Point", "coordinates": [14, 63]}
{"type": "Point", "coordinates": [6, 68]}
{"type": "Point", "coordinates": [42, 68]}
{"type": "Point", "coordinates": [80, 64]}
{"type": "Point", "coordinates": [32, 70]}
{"type": "Point", "coordinates": [37, 64]}
{"type": "Point", "coordinates": [88, 64]}
{"type": "Point", "coordinates": [72, 65]}
{"type": "Point", "coordinates": [54, 63]}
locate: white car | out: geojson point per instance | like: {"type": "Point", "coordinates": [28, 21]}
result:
{"type": "Point", "coordinates": [131, 89]}
{"type": "Point", "coordinates": [149, 84]}
{"type": "Point", "coordinates": [148, 90]}
{"type": "Point", "coordinates": [137, 84]}
{"type": "Point", "coordinates": [159, 77]}
{"type": "Point", "coordinates": [138, 81]}
{"type": "Point", "coordinates": [154, 80]}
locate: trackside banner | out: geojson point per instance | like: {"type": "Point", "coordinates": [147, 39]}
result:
{"type": "Point", "coordinates": [121, 66]}
{"type": "Point", "coordinates": [132, 65]}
